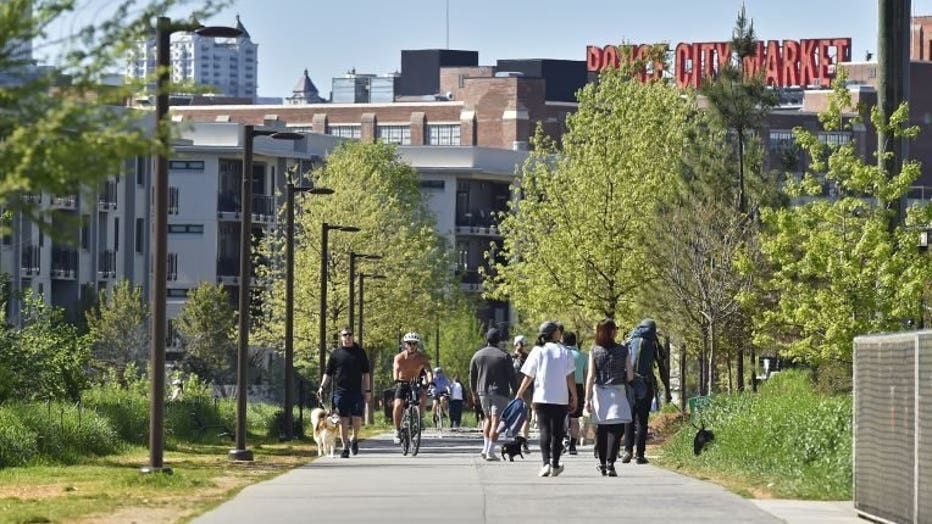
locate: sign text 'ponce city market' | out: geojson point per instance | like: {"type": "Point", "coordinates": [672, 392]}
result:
{"type": "Point", "coordinates": [794, 63]}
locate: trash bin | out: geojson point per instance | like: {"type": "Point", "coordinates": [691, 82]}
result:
{"type": "Point", "coordinates": [388, 399]}
{"type": "Point", "coordinates": [696, 405]}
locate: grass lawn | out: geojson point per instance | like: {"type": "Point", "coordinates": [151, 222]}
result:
{"type": "Point", "coordinates": [111, 489]}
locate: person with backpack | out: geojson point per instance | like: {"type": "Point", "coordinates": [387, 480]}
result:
{"type": "Point", "coordinates": [552, 370]}
{"type": "Point", "coordinates": [645, 352]}
{"type": "Point", "coordinates": [606, 389]}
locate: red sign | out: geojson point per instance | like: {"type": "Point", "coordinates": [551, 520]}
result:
{"type": "Point", "coordinates": [794, 63]}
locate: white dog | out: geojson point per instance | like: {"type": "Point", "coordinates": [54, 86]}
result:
{"type": "Point", "coordinates": [326, 428]}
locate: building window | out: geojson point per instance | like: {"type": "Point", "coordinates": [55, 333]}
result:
{"type": "Point", "coordinates": [432, 184]}
{"type": "Point", "coordinates": [400, 135]}
{"type": "Point", "coordinates": [196, 229]}
{"type": "Point", "coordinates": [116, 234]}
{"type": "Point", "coordinates": [140, 172]}
{"type": "Point", "coordinates": [85, 232]}
{"type": "Point", "coordinates": [172, 270]}
{"type": "Point", "coordinates": [186, 165]}
{"type": "Point", "coordinates": [443, 134]}
{"type": "Point", "coordinates": [780, 139]}
{"type": "Point", "coordinates": [140, 234]}
{"type": "Point", "coordinates": [345, 131]}
{"type": "Point", "coordinates": [172, 337]}
{"type": "Point", "coordinates": [179, 292]}
{"type": "Point", "coordinates": [173, 200]}
{"type": "Point", "coordinates": [834, 138]}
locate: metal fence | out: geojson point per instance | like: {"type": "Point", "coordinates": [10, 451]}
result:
{"type": "Point", "coordinates": [893, 426]}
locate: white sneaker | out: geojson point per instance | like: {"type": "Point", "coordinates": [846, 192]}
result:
{"type": "Point", "coordinates": [544, 471]}
{"type": "Point", "coordinates": [492, 457]}
{"type": "Point", "coordinates": [397, 438]}
{"type": "Point", "coordinates": [555, 471]}
{"type": "Point", "coordinates": [482, 454]}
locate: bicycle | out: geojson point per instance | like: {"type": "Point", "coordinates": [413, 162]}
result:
{"type": "Point", "coordinates": [440, 412]}
{"type": "Point", "coordinates": [411, 423]}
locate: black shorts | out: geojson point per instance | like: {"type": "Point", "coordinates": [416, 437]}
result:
{"type": "Point", "coordinates": [580, 400]}
{"type": "Point", "coordinates": [348, 403]}
{"type": "Point", "coordinates": [402, 390]}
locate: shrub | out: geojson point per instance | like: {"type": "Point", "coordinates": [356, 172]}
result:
{"type": "Point", "coordinates": [67, 432]}
{"type": "Point", "coordinates": [17, 442]}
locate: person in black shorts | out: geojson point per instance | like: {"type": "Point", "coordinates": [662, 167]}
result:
{"type": "Point", "coordinates": [581, 361]}
{"type": "Point", "coordinates": [348, 368]}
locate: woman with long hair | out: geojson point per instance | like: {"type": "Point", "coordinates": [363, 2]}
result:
{"type": "Point", "coordinates": [610, 370]}
{"type": "Point", "coordinates": [551, 369]}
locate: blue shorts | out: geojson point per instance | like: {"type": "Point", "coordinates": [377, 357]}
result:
{"type": "Point", "coordinates": [348, 403]}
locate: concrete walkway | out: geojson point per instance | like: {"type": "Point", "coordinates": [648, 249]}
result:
{"type": "Point", "coordinates": [448, 482]}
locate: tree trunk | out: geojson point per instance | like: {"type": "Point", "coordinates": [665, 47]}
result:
{"type": "Point", "coordinates": [742, 208]}
{"type": "Point", "coordinates": [683, 378]}
{"type": "Point", "coordinates": [728, 369]}
{"type": "Point", "coordinates": [753, 370]}
{"type": "Point", "coordinates": [711, 337]}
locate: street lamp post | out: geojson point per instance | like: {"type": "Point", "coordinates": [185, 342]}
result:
{"type": "Point", "coordinates": [163, 29]}
{"type": "Point", "coordinates": [245, 280]}
{"type": "Point", "coordinates": [289, 301]}
{"type": "Point", "coordinates": [352, 280]}
{"type": "Point", "coordinates": [370, 407]}
{"type": "Point", "coordinates": [325, 229]}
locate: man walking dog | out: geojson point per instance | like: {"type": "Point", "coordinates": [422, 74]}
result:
{"type": "Point", "coordinates": [348, 367]}
{"type": "Point", "coordinates": [492, 379]}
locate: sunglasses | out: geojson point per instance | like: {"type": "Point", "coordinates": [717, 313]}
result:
{"type": "Point", "coordinates": [410, 343]}
{"type": "Point", "coordinates": [346, 334]}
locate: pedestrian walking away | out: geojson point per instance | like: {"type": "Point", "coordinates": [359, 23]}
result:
{"type": "Point", "coordinates": [348, 369]}
{"type": "Point", "coordinates": [610, 370]}
{"type": "Point", "coordinates": [644, 353]}
{"type": "Point", "coordinates": [456, 402]}
{"type": "Point", "coordinates": [493, 380]}
{"type": "Point", "coordinates": [551, 369]}
{"type": "Point", "coordinates": [407, 367]}
{"type": "Point", "coordinates": [581, 360]}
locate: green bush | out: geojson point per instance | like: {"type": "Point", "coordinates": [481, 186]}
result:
{"type": "Point", "coordinates": [66, 432]}
{"type": "Point", "coordinates": [17, 442]}
{"type": "Point", "coordinates": [788, 438]}
{"type": "Point", "coordinates": [126, 409]}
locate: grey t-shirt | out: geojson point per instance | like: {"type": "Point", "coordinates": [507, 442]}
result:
{"type": "Point", "coordinates": [492, 371]}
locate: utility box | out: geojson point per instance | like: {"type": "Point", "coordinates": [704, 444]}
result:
{"type": "Point", "coordinates": [893, 426]}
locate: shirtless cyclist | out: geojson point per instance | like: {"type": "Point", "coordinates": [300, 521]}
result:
{"type": "Point", "coordinates": [407, 367]}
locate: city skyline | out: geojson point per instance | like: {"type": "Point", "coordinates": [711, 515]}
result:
{"type": "Point", "coordinates": [328, 41]}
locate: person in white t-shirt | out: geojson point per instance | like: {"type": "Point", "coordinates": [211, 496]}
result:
{"type": "Point", "coordinates": [551, 368]}
{"type": "Point", "coordinates": [456, 402]}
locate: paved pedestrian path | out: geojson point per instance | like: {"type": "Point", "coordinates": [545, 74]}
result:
{"type": "Point", "coordinates": [448, 482]}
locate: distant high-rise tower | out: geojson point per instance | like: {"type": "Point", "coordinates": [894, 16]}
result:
{"type": "Point", "coordinates": [228, 64]}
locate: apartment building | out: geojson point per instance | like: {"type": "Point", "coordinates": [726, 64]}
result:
{"type": "Point", "coordinates": [229, 65]}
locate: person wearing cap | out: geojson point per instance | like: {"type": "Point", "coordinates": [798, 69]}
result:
{"type": "Point", "coordinates": [348, 367]}
{"type": "Point", "coordinates": [581, 361]}
{"type": "Point", "coordinates": [550, 367]}
{"type": "Point", "coordinates": [492, 379]}
{"type": "Point", "coordinates": [439, 391]}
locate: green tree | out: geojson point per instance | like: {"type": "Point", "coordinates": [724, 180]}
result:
{"type": "Point", "coordinates": [45, 359]}
{"type": "Point", "coordinates": [61, 130]}
{"type": "Point", "coordinates": [206, 324]}
{"type": "Point", "coordinates": [842, 267]}
{"type": "Point", "coordinates": [739, 96]}
{"type": "Point", "coordinates": [574, 244]}
{"type": "Point", "coordinates": [377, 192]}
{"type": "Point", "coordinates": [117, 329]}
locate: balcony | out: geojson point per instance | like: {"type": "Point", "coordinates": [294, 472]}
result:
{"type": "Point", "coordinates": [228, 271]}
{"type": "Point", "coordinates": [106, 265]}
{"type": "Point", "coordinates": [107, 199]}
{"type": "Point", "coordinates": [263, 207]}
{"type": "Point", "coordinates": [470, 281]}
{"type": "Point", "coordinates": [64, 264]}
{"type": "Point", "coordinates": [65, 202]}
{"type": "Point", "coordinates": [32, 198]}
{"type": "Point", "coordinates": [30, 262]}
{"type": "Point", "coordinates": [480, 223]}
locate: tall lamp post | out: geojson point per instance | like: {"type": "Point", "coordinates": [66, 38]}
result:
{"type": "Point", "coordinates": [163, 29]}
{"type": "Point", "coordinates": [325, 229]}
{"type": "Point", "coordinates": [289, 301]}
{"type": "Point", "coordinates": [352, 280]}
{"type": "Point", "coordinates": [362, 287]}
{"type": "Point", "coordinates": [245, 280]}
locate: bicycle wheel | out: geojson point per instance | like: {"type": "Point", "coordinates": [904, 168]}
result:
{"type": "Point", "coordinates": [405, 433]}
{"type": "Point", "coordinates": [416, 426]}
{"type": "Point", "coordinates": [439, 416]}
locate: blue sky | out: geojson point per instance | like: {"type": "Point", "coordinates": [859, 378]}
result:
{"type": "Point", "coordinates": [329, 38]}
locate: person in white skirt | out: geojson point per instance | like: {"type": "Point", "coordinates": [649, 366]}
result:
{"type": "Point", "coordinates": [610, 370]}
